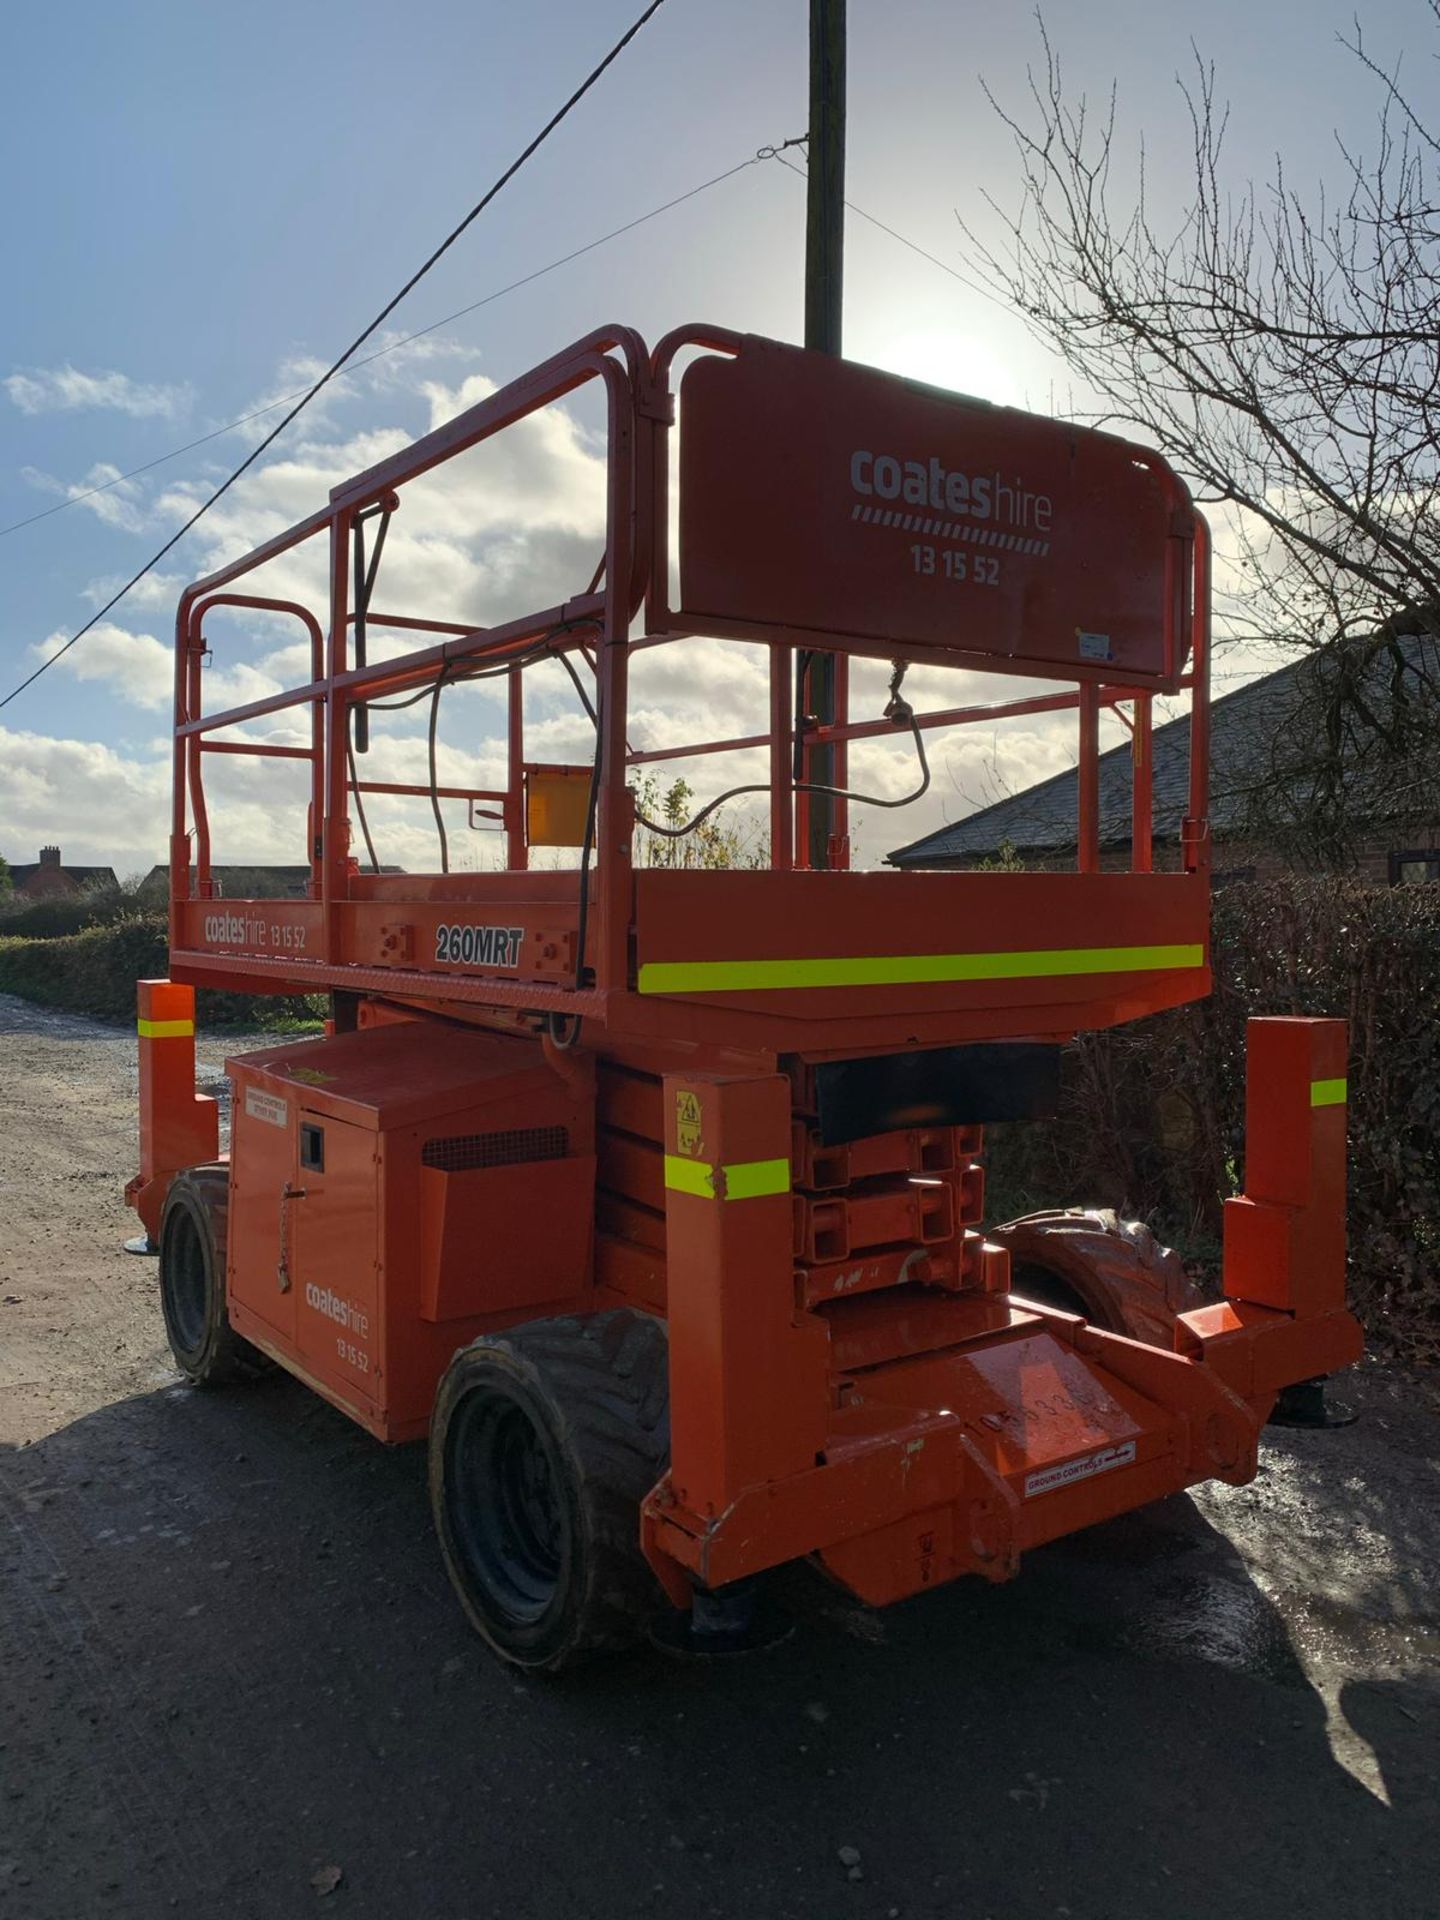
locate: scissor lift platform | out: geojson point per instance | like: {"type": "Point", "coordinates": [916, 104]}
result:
{"type": "Point", "coordinates": [702, 1151]}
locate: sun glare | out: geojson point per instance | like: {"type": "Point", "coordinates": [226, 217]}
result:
{"type": "Point", "coordinates": [950, 357]}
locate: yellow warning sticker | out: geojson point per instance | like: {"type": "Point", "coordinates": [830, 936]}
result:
{"type": "Point", "coordinates": [687, 1124]}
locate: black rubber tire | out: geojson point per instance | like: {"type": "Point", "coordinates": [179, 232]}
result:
{"type": "Point", "coordinates": [1047, 1289]}
{"type": "Point", "coordinates": [192, 1280]}
{"type": "Point", "coordinates": [1112, 1272]}
{"type": "Point", "coordinates": [543, 1443]}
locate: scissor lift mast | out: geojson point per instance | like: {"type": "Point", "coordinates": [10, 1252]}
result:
{"type": "Point", "coordinates": [656, 1195]}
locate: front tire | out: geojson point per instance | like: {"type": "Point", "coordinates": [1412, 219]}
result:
{"type": "Point", "coordinates": [543, 1443]}
{"type": "Point", "coordinates": [192, 1279]}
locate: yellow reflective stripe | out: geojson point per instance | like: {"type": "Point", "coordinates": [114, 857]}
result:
{"type": "Point", "coordinates": [743, 1179]}
{"type": "Point", "coordinates": [165, 1029]}
{"type": "Point", "coordinates": [750, 1179]}
{"type": "Point", "coordinates": [689, 1176]}
{"type": "Point", "coordinates": [1327, 1093]}
{"type": "Point", "coordinates": [908, 969]}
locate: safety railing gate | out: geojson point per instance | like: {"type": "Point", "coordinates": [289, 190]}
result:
{"type": "Point", "coordinates": [822, 508]}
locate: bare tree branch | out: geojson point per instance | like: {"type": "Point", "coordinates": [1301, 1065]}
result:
{"type": "Point", "coordinates": [1284, 353]}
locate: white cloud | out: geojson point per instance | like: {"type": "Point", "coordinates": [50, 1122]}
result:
{"type": "Point", "coordinates": [67, 390]}
{"type": "Point", "coordinates": [101, 807]}
{"type": "Point", "coordinates": [514, 525]}
{"type": "Point", "coordinates": [159, 590]}
{"type": "Point", "coordinates": [141, 668]}
{"type": "Point", "coordinates": [136, 665]}
{"type": "Point", "coordinates": [103, 491]}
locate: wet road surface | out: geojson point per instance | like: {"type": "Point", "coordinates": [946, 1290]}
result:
{"type": "Point", "coordinates": [230, 1663]}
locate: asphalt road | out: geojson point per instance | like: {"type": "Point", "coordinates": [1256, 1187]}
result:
{"type": "Point", "coordinates": [230, 1664]}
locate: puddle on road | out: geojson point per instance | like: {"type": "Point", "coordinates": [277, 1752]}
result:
{"type": "Point", "coordinates": [1182, 1582]}
{"type": "Point", "coordinates": [1211, 1618]}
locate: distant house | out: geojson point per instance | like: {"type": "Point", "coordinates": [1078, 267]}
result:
{"type": "Point", "coordinates": [238, 883]}
{"type": "Point", "coordinates": [48, 876]}
{"type": "Point", "coordinates": [235, 883]}
{"type": "Point", "coordinates": [1267, 745]}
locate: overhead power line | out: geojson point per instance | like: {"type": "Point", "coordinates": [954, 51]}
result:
{"type": "Point", "coordinates": [394, 346]}
{"type": "Point", "coordinates": [974, 286]}
{"type": "Point", "coordinates": [384, 314]}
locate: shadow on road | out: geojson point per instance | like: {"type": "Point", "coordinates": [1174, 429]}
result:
{"type": "Point", "coordinates": [229, 1659]}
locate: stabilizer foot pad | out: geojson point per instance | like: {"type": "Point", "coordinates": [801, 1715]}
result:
{"type": "Point", "coordinates": [739, 1618]}
{"type": "Point", "coordinates": [1304, 1405]}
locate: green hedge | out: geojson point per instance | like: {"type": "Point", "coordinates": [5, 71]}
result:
{"type": "Point", "coordinates": [95, 971]}
{"type": "Point", "coordinates": [54, 915]}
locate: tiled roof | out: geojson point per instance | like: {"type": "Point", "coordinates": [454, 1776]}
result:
{"type": "Point", "coordinates": [1251, 733]}
{"type": "Point", "coordinates": [82, 876]}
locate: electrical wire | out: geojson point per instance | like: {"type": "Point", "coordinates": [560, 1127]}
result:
{"type": "Point", "coordinates": [488, 299]}
{"type": "Point", "coordinates": [452, 674]}
{"type": "Point", "coordinates": [359, 340]}
{"type": "Point", "coordinates": [974, 286]}
{"type": "Point", "coordinates": [360, 806]}
{"type": "Point", "coordinates": [896, 709]}
{"type": "Point", "coordinates": [435, 806]}
{"type": "Point", "coordinates": [801, 786]}
{"type": "Point", "coordinates": [585, 700]}
{"type": "Point", "coordinates": [582, 920]}
{"type": "Point", "coordinates": [395, 346]}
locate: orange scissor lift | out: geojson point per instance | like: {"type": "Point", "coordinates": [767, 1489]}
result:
{"type": "Point", "coordinates": [655, 1195]}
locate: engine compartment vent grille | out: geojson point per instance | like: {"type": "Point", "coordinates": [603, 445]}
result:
{"type": "Point", "coordinates": [463, 1152]}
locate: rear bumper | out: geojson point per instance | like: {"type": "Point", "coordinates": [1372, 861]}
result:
{"type": "Point", "coordinates": [960, 1461]}
{"type": "Point", "coordinates": [906, 1438]}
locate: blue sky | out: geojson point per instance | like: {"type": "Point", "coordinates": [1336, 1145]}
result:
{"type": "Point", "coordinates": [200, 199]}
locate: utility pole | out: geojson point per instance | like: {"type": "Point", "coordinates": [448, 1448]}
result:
{"type": "Point", "coordinates": [824, 304]}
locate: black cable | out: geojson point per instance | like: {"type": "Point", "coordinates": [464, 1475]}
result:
{"type": "Point", "coordinates": [801, 786]}
{"type": "Point", "coordinates": [585, 700]}
{"type": "Point", "coordinates": [974, 286]}
{"type": "Point", "coordinates": [435, 693]}
{"type": "Point", "coordinates": [453, 675]}
{"type": "Point", "coordinates": [803, 657]}
{"type": "Point", "coordinates": [399, 706]}
{"type": "Point", "coordinates": [455, 678]}
{"type": "Point", "coordinates": [420, 333]}
{"type": "Point", "coordinates": [587, 846]}
{"type": "Point", "coordinates": [360, 806]}
{"type": "Point", "coordinates": [896, 709]}
{"type": "Point", "coordinates": [359, 340]}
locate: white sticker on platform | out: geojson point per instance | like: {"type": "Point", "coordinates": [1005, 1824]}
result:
{"type": "Point", "coordinates": [1049, 1478]}
{"type": "Point", "coordinates": [267, 1106]}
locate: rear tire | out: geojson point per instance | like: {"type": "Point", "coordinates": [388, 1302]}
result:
{"type": "Point", "coordinates": [192, 1279]}
{"type": "Point", "coordinates": [1112, 1272]}
{"type": "Point", "coordinates": [543, 1443]}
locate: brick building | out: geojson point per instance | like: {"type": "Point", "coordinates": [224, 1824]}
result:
{"type": "Point", "coordinates": [49, 875]}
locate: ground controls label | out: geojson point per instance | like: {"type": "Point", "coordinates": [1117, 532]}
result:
{"type": "Point", "coordinates": [1048, 1479]}
{"type": "Point", "coordinates": [267, 1106]}
{"type": "Point", "coordinates": [479, 946]}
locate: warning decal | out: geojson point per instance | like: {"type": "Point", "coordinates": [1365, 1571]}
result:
{"type": "Point", "coordinates": [266, 1106]}
{"type": "Point", "coordinates": [687, 1124]}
